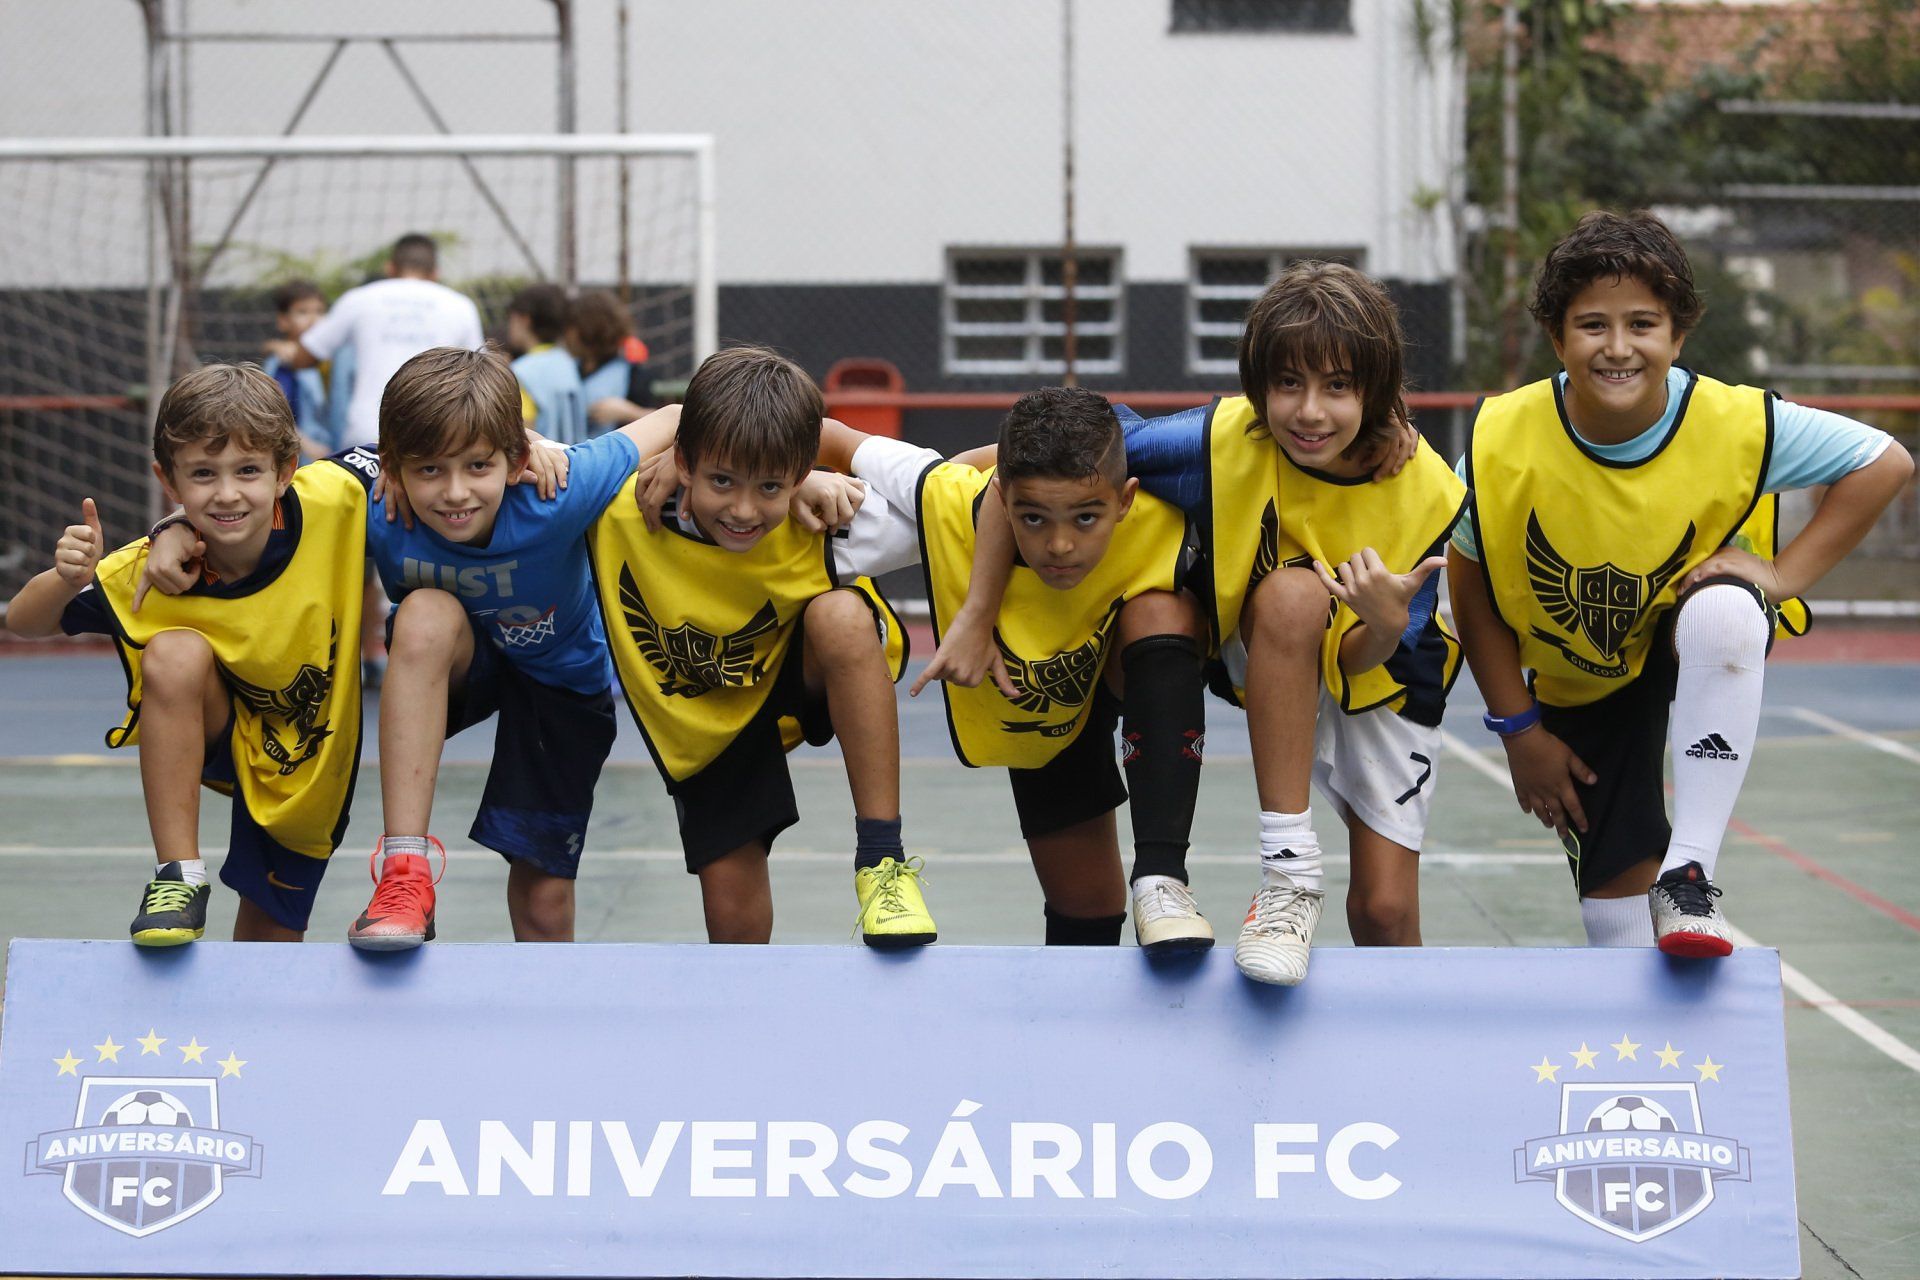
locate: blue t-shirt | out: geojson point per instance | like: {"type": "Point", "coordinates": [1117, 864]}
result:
{"type": "Point", "coordinates": [552, 381]}
{"type": "Point", "coordinates": [614, 379]}
{"type": "Point", "coordinates": [1810, 447]}
{"type": "Point", "coordinates": [530, 586]}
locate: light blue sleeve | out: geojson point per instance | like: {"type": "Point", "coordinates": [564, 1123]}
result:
{"type": "Point", "coordinates": [1814, 446]}
{"type": "Point", "coordinates": [339, 392]}
{"type": "Point", "coordinates": [1463, 539]}
{"type": "Point", "coordinates": [595, 472]}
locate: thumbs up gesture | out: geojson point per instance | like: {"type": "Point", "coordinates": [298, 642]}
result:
{"type": "Point", "coordinates": [80, 548]}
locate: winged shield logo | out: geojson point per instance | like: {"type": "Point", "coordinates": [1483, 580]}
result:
{"type": "Point", "coordinates": [293, 710]}
{"type": "Point", "coordinates": [1604, 603]}
{"type": "Point", "coordinates": [692, 661]}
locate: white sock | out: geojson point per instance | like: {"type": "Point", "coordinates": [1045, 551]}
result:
{"type": "Point", "coordinates": [1721, 639]}
{"type": "Point", "coordinates": [1617, 922]}
{"type": "Point", "coordinates": [192, 870]}
{"type": "Point", "coordinates": [1288, 847]}
{"type": "Point", "coordinates": [392, 845]}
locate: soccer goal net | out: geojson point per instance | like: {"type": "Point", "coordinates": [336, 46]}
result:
{"type": "Point", "coordinates": [125, 262]}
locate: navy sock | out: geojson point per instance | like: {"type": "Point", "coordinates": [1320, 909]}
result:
{"type": "Point", "coordinates": [1077, 931]}
{"type": "Point", "coordinates": [1164, 728]}
{"type": "Point", "coordinates": [875, 839]}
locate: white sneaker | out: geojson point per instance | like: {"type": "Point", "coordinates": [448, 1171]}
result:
{"type": "Point", "coordinates": [1686, 919]}
{"type": "Point", "coordinates": [1278, 935]}
{"type": "Point", "coordinates": [1166, 921]}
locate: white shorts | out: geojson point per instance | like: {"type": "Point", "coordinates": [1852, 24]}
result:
{"type": "Point", "coordinates": [1378, 767]}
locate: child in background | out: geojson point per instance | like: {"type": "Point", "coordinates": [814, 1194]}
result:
{"type": "Point", "coordinates": [551, 399]}
{"type": "Point", "coordinates": [613, 362]}
{"type": "Point", "coordinates": [296, 305]}
{"type": "Point", "coordinates": [1621, 549]}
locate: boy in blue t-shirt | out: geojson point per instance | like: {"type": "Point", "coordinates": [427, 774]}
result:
{"type": "Point", "coordinates": [296, 305]}
{"type": "Point", "coordinates": [551, 398]}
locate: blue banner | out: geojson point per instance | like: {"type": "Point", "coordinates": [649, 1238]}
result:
{"type": "Point", "coordinates": [812, 1111]}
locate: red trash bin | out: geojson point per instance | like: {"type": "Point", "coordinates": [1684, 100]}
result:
{"type": "Point", "coordinates": [866, 374]}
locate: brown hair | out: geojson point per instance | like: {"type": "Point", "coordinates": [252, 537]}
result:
{"type": "Point", "coordinates": [296, 290]}
{"type": "Point", "coordinates": [1326, 315]}
{"type": "Point", "coordinates": [416, 253]}
{"type": "Point", "coordinates": [599, 325]}
{"type": "Point", "coordinates": [1062, 433]}
{"type": "Point", "coordinates": [223, 404]}
{"type": "Point", "coordinates": [1612, 246]}
{"type": "Point", "coordinates": [448, 399]}
{"type": "Point", "coordinates": [545, 306]}
{"type": "Point", "coordinates": [754, 410]}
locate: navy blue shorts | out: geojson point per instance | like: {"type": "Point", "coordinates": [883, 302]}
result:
{"type": "Point", "coordinates": [259, 868]}
{"type": "Point", "coordinates": [548, 751]}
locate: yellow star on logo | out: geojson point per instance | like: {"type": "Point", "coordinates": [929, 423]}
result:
{"type": "Point", "coordinates": [1709, 1069]}
{"type": "Point", "coordinates": [67, 1063]}
{"type": "Point", "coordinates": [230, 1065]}
{"type": "Point", "coordinates": [1583, 1056]}
{"type": "Point", "coordinates": [1669, 1056]}
{"type": "Point", "coordinates": [1626, 1048]}
{"type": "Point", "coordinates": [150, 1042]}
{"type": "Point", "coordinates": [191, 1051]}
{"type": "Point", "coordinates": [1544, 1072]}
{"type": "Point", "coordinates": [108, 1050]}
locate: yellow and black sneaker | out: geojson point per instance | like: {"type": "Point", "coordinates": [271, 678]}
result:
{"type": "Point", "coordinates": [172, 912]}
{"type": "Point", "coordinates": [892, 911]}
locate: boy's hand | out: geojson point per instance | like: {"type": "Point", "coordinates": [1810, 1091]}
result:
{"type": "Point", "coordinates": [1376, 594]}
{"type": "Point", "coordinates": [546, 468]}
{"type": "Point", "coordinates": [393, 494]}
{"type": "Point", "coordinates": [80, 548]}
{"type": "Point", "coordinates": [966, 656]}
{"type": "Point", "coordinates": [655, 481]}
{"type": "Point", "coordinates": [1734, 563]}
{"type": "Point", "coordinates": [1400, 447]}
{"type": "Point", "coordinates": [826, 501]}
{"type": "Point", "coordinates": [174, 559]}
{"type": "Point", "coordinates": [1544, 770]}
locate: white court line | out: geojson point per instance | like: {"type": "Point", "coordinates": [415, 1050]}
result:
{"type": "Point", "coordinates": [1794, 980]}
{"type": "Point", "coordinates": [1821, 720]}
{"type": "Point", "coordinates": [1016, 857]}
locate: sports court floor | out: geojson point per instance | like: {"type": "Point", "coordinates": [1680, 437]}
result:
{"type": "Point", "coordinates": [1821, 863]}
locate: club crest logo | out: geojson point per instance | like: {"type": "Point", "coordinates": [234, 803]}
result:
{"type": "Point", "coordinates": [1064, 680]}
{"type": "Point", "coordinates": [290, 728]}
{"type": "Point", "coordinates": [1604, 604]}
{"type": "Point", "coordinates": [1633, 1157]}
{"type": "Point", "coordinates": [690, 661]}
{"type": "Point", "coordinates": [145, 1152]}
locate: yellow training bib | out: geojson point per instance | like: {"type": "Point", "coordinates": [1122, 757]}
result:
{"type": "Point", "coordinates": [1583, 556]}
{"type": "Point", "coordinates": [289, 653]}
{"type": "Point", "coordinates": [1055, 643]}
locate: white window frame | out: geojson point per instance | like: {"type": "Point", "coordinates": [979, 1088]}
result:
{"type": "Point", "coordinates": [1275, 260]}
{"type": "Point", "coordinates": [1033, 328]}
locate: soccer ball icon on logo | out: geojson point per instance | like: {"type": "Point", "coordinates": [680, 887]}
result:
{"type": "Point", "coordinates": [1630, 1113]}
{"type": "Point", "coordinates": [148, 1107]}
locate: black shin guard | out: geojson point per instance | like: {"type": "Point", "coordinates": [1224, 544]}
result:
{"type": "Point", "coordinates": [1164, 729]}
{"type": "Point", "coordinates": [1077, 931]}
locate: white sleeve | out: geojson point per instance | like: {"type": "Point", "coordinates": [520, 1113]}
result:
{"type": "Point", "coordinates": [333, 330]}
{"type": "Point", "coordinates": [894, 467]}
{"type": "Point", "coordinates": [476, 335]}
{"type": "Point", "coordinates": [883, 537]}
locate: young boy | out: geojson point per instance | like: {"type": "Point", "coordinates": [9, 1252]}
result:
{"type": "Point", "coordinates": [296, 305]}
{"type": "Point", "coordinates": [1100, 566]}
{"type": "Point", "coordinates": [250, 681]}
{"type": "Point", "coordinates": [552, 399]}
{"type": "Point", "coordinates": [736, 632]}
{"type": "Point", "coordinates": [1621, 548]}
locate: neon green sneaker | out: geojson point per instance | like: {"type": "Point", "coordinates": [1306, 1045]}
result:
{"type": "Point", "coordinates": [172, 912]}
{"type": "Point", "coordinates": [892, 911]}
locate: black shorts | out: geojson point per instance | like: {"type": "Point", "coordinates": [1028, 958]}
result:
{"type": "Point", "coordinates": [259, 868]}
{"type": "Point", "coordinates": [1082, 782]}
{"type": "Point", "coordinates": [1623, 739]}
{"type": "Point", "coordinates": [746, 794]}
{"type": "Point", "coordinates": [547, 754]}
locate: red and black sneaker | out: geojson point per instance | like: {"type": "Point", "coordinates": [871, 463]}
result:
{"type": "Point", "coordinates": [400, 916]}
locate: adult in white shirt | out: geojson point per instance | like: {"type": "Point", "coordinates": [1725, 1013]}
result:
{"type": "Point", "coordinates": [387, 323]}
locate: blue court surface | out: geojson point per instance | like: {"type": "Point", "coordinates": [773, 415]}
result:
{"type": "Point", "coordinates": [1820, 863]}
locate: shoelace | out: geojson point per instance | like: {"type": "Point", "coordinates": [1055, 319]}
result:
{"type": "Point", "coordinates": [1281, 909]}
{"type": "Point", "coordinates": [373, 859]}
{"type": "Point", "coordinates": [167, 895]}
{"type": "Point", "coordinates": [1170, 899]}
{"type": "Point", "coordinates": [1691, 897]}
{"type": "Point", "coordinates": [886, 884]}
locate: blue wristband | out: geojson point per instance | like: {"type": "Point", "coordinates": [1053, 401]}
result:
{"type": "Point", "coordinates": [1507, 726]}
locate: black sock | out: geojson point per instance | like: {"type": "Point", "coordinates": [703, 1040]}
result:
{"type": "Point", "coordinates": [1077, 931]}
{"type": "Point", "coordinates": [1164, 728]}
{"type": "Point", "coordinates": [875, 839]}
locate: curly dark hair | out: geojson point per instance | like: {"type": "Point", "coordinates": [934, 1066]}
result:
{"type": "Point", "coordinates": [1062, 433]}
{"type": "Point", "coordinates": [1605, 245]}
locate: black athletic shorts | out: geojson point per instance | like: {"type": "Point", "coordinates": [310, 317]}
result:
{"type": "Point", "coordinates": [548, 750]}
{"type": "Point", "coordinates": [746, 794]}
{"type": "Point", "coordinates": [257, 867]}
{"type": "Point", "coordinates": [1623, 739]}
{"type": "Point", "coordinates": [1082, 782]}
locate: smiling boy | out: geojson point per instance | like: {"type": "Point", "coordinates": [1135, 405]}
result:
{"type": "Point", "coordinates": [1622, 550]}
{"type": "Point", "coordinates": [249, 680]}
